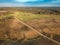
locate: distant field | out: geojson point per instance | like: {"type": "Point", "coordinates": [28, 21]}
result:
{"type": "Point", "coordinates": [24, 16]}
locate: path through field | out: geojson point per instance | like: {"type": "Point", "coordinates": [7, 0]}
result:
{"type": "Point", "coordinates": [49, 26]}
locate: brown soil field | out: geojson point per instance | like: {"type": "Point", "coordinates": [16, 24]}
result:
{"type": "Point", "coordinates": [12, 32]}
{"type": "Point", "coordinates": [50, 26]}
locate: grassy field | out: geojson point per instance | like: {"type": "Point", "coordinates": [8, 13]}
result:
{"type": "Point", "coordinates": [29, 16]}
{"type": "Point", "coordinates": [26, 17]}
{"type": "Point", "coordinates": [46, 22]}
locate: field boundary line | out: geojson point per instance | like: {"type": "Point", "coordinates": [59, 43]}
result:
{"type": "Point", "coordinates": [36, 31]}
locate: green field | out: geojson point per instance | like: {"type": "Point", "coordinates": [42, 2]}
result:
{"type": "Point", "coordinates": [30, 16]}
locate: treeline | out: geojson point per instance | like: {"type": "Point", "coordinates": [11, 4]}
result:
{"type": "Point", "coordinates": [50, 11]}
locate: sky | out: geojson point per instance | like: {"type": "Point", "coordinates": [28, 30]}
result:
{"type": "Point", "coordinates": [29, 3]}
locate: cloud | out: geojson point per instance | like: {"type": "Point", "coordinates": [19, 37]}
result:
{"type": "Point", "coordinates": [29, 3]}
{"type": "Point", "coordinates": [25, 0]}
{"type": "Point", "coordinates": [28, 0]}
{"type": "Point", "coordinates": [11, 5]}
{"type": "Point", "coordinates": [25, 5]}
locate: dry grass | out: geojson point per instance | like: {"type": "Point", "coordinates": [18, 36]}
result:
{"type": "Point", "coordinates": [38, 22]}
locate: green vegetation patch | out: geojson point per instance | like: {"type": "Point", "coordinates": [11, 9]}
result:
{"type": "Point", "coordinates": [29, 16]}
{"type": "Point", "coordinates": [24, 16]}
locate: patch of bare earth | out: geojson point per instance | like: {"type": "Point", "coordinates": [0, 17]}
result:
{"type": "Point", "coordinates": [49, 27]}
{"type": "Point", "coordinates": [12, 29]}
